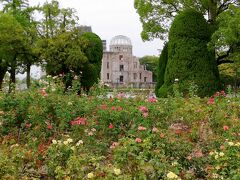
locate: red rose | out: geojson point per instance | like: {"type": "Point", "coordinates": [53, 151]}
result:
{"type": "Point", "coordinates": [49, 126]}
{"type": "Point", "coordinates": [110, 126]}
{"type": "Point", "coordinates": [225, 128]}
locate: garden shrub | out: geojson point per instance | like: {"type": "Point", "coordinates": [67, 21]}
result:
{"type": "Point", "coordinates": [189, 60]}
{"type": "Point", "coordinates": [72, 137]}
{"type": "Point", "coordinates": [161, 68]}
{"type": "Point", "coordinates": [94, 52]}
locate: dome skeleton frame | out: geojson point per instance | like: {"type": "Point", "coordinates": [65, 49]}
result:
{"type": "Point", "coordinates": [120, 40]}
{"type": "Point", "coordinates": [120, 68]}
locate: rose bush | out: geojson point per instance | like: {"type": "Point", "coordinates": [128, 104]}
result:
{"type": "Point", "coordinates": [65, 136]}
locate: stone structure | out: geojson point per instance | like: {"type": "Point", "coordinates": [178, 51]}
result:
{"type": "Point", "coordinates": [121, 69]}
{"type": "Point", "coordinates": [85, 28]}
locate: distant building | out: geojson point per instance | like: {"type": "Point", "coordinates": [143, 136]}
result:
{"type": "Point", "coordinates": [121, 69]}
{"type": "Point", "coordinates": [104, 43]}
{"type": "Point", "coordinates": [85, 28]}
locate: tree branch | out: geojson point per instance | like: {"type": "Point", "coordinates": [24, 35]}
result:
{"type": "Point", "coordinates": [225, 61]}
{"type": "Point", "coordinates": [223, 7]}
{"type": "Point", "coordinates": [174, 7]}
{"type": "Point", "coordinates": [221, 58]}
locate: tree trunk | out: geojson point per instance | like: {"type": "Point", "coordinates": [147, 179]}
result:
{"type": "Point", "coordinates": [28, 79]}
{"type": "Point", "coordinates": [212, 10]}
{"type": "Point", "coordinates": [2, 74]}
{"type": "Point", "coordinates": [12, 81]}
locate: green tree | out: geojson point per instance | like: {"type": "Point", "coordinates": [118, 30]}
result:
{"type": "Point", "coordinates": [29, 55]}
{"type": "Point", "coordinates": [60, 46]}
{"type": "Point", "coordinates": [162, 63]}
{"type": "Point", "coordinates": [48, 27]}
{"type": "Point", "coordinates": [11, 44]}
{"type": "Point", "coordinates": [189, 60]}
{"type": "Point", "coordinates": [67, 19]}
{"type": "Point", "coordinates": [157, 15]}
{"type": "Point", "coordinates": [64, 55]}
{"type": "Point", "coordinates": [56, 20]}
{"type": "Point", "coordinates": [94, 53]}
{"type": "Point", "coordinates": [151, 65]}
{"type": "Point", "coordinates": [226, 40]}
{"type": "Point", "coordinates": [21, 11]}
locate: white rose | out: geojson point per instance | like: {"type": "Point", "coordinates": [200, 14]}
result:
{"type": "Point", "coordinates": [90, 175]}
{"type": "Point", "coordinates": [117, 171]}
{"type": "Point", "coordinates": [221, 154]}
{"type": "Point", "coordinates": [171, 175]}
{"type": "Point", "coordinates": [69, 140]}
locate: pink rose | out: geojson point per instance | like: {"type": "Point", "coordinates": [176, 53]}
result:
{"type": "Point", "coordinates": [152, 99]}
{"type": "Point", "coordinates": [225, 128]}
{"type": "Point", "coordinates": [154, 129]}
{"type": "Point", "coordinates": [143, 109]}
{"type": "Point", "coordinates": [141, 128]}
{"type": "Point", "coordinates": [43, 92]}
{"type": "Point", "coordinates": [145, 114]}
{"type": "Point", "coordinates": [138, 140]}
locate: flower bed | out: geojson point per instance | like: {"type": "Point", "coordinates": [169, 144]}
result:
{"type": "Point", "coordinates": [51, 135]}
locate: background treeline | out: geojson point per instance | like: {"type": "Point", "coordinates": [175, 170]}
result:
{"type": "Point", "coordinates": [50, 36]}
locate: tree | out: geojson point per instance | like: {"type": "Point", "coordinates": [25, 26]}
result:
{"type": "Point", "coordinates": [94, 53]}
{"type": "Point", "coordinates": [21, 11]}
{"type": "Point", "coordinates": [48, 27]}
{"type": "Point", "coordinates": [64, 55]}
{"type": "Point", "coordinates": [151, 65]}
{"type": "Point", "coordinates": [157, 15]}
{"type": "Point", "coordinates": [56, 20]}
{"type": "Point", "coordinates": [226, 40]}
{"type": "Point", "coordinates": [11, 44]}
{"type": "Point", "coordinates": [189, 60]}
{"type": "Point", "coordinates": [162, 63]}
{"type": "Point", "coordinates": [61, 45]}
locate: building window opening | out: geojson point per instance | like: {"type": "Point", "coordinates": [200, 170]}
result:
{"type": "Point", "coordinates": [121, 68]}
{"type": "Point", "coordinates": [140, 76]}
{"type": "Point", "coordinates": [121, 79]}
{"type": "Point", "coordinates": [120, 57]}
{"type": "Point", "coordinates": [134, 76]}
{"type": "Point", "coordinates": [107, 65]}
{"type": "Point", "coordinates": [107, 76]}
{"type": "Point", "coordinates": [135, 65]}
{"type": "Point", "coordinates": [145, 79]}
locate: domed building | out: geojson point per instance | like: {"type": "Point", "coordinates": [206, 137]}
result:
{"type": "Point", "coordinates": [120, 68]}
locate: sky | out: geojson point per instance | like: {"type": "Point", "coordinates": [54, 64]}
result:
{"type": "Point", "coordinates": [109, 18]}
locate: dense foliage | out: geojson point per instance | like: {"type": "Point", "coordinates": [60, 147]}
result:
{"type": "Point", "coordinates": [223, 17]}
{"type": "Point", "coordinates": [54, 40]}
{"type": "Point", "coordinates": [151, 63]}
{"type": "Point", "coordinates": [189, 60]}
{"type": "Point", "coordinates": [162, 63]}
{"type": "Point", "coordinates": [94, 53]}
{"type": "Point", "coordinates": [12, 44]}
{"type": "Point", "coordinates": [51, 135]}
{"type": "Point", "coordinates": [154, 15]}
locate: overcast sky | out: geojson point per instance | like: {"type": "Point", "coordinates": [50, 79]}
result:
{"type": "Point", "coordinates": [109, 18]}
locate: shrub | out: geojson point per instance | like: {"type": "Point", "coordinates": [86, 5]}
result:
{"type": "Point", "coordinates": [72, 137]}
{"type": "Point", "coordinates": [189, 60]}
{"type": "Point", "coordinates": [162, 63]}
{"type": "Point", "coordinates": [94, 53]}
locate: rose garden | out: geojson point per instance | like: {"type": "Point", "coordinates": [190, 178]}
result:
{"type": "Point", "coordinates": [48, 134]}
{"type": "Point", "coordinates": [70, 125]}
